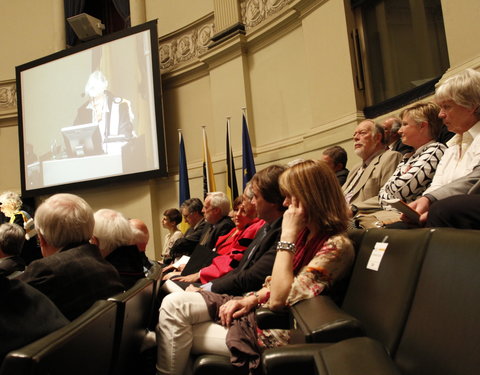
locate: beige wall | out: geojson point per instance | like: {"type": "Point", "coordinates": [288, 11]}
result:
{"type": "Point", "coordinates": [292, 71]}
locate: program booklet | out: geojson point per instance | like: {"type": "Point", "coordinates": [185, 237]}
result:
{"type": "Point", "coordinates": [401, 206]}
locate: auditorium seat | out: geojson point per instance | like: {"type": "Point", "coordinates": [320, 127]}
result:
{"type": "Point", "coordinates": [133, 317]}
{"type": "Point", "coordinates": [439, 333]}
{"type": "Point", "coordinates": [84, 346]}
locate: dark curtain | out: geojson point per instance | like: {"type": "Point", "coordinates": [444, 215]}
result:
{"type": "Point", "coordinates": [123, 9]}
{"type": "Point", "coordinates": [72, 8]}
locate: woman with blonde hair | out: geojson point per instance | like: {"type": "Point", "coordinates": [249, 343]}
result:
{"type": "Point", "coordinates": [420, 129]}
{"type": "Point", "coordinates": [312, 254]}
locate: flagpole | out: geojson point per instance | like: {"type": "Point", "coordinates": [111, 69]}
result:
{"type": "Point", "coordinates": [248, 163]}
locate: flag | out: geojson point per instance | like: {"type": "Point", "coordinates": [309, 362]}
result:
{"type": "Point", "coordinates": [248, 167]}
{"type": "Point", "coordinates": [232, 187]}
{"type": "Point", "coordinates": [183, 183]}
{"type": "Point", "coordinates": [208, 177]}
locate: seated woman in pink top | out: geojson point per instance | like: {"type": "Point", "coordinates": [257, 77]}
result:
{"type": "Point", "coordinates": [231, 246]}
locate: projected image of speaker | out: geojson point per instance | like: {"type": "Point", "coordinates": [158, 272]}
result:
{"type": "Point", "coordinates": [92, 112]}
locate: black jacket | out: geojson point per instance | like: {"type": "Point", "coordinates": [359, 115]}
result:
{"type": "Point", "coordinates": [252, 269]}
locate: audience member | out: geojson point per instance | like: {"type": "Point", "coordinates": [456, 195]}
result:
{"type": "Point", "coordinates": [312, 254]}
{"type": "Point", "coordinates": [459, 101]}
{"type": "Point", "coordinates": [113, 235]}
{"type": "Point", "coordinates": [336, 157]}
{"type": "Point", "coordinates": [257, 260]}
{"type": "Point", "coordinates": [230, 247]}
{"type": "Point", "coordinates": [393, 140]}
{"type": "Point", "coordinates": [25, 315]}
{"type": "Point", "coordinates": [192, 213]}
{"type": "Point", "coordinates": [12, 237]}
{"type": "Point", "coordinates": [420, 128]}
{"type": "Point", "coordinates": [13, 209]}
{"type": "Point", "coordinates": [73, 273]}
{"type": "Point", "coordinates": [215, 212]}
{"type": "Point", "coordinates": [378, 164]}
{"type": "Point", "coordinates": [171, 218]}
{"type": "Point", "coordinates": [140, 239]}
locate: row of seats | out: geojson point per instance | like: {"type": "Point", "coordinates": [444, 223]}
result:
{"type": "Point", "coordinates": [417, 314]}
{"type": "Point", "coordinates": [106, 339]}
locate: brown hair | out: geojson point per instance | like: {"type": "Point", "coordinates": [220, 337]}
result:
{"type": "Point", "coordinates": [314, 184]}
{"type": "Point", "coordinates": [173, 215]}
{"type": "Point", "coordinates": [266, 182]}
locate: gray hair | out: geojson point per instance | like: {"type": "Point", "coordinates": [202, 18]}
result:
{"type": "Point", "coordinates": [11, 201]}
{"type": "Point", "coordinates": [12, 238]}
{"type": "Point", "coordinates": [64, 219]}
{"type": "Point", "coordinates": [112, 230]}
{"type": "Point", "coordinates": [219, 199]}
{"type": "Point", "coordinates": [192, 205]}
{"type": "Point", "coordinates": [463, 88]}
{"type": "Point", "coordinates": [96, 84]}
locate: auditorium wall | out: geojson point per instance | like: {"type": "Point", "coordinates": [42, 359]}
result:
{"type": "Point", "coordinates": [292, 70]}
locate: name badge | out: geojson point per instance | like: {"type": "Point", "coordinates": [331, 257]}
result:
{"type": "Point", "coordinates": [376, 256]}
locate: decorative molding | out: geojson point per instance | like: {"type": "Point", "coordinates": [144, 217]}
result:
{"type": "Point", "coordinates": [8, 103]}
{"type": "Point", "coordinates": [181, 49]}
{"type": "Point", "coordinates": [254, 12]}
{"type": "Point", "coordinates": [185, 45]}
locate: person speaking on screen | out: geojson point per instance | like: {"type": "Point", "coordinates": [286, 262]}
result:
{"type": "Point", "coordinates": [113, 114]}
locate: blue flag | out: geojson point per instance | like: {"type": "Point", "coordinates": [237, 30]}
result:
{"type": "Point", "coordinates": [183, 184]}
{"type": "Point", "coordinates": [248, 168]}
{"type": "Point", "coordinates": [232, 187]}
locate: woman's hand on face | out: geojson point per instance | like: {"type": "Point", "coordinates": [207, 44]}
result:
{"type": "Point", "coordinates": [294, 220]}
{"type": "Point", "coordinates": [236, 308]}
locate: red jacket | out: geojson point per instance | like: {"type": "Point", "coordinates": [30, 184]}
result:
{"type": "Point", "coordinates": [230, 251]}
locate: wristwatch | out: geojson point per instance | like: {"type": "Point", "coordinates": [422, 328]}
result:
{"type": "Point", "coordinates": [287, 246]}
{"type": "Point", "coordinates": [354, 210]}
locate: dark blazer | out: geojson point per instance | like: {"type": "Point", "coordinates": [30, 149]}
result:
{"type": "Point", "coordinates": [342, 176]}
{"type": "Point", "coordinates": [401, 147]}
{"type": "Point", "coordinates": [255, 266]}
{"type": "Point", "coordinates": [74, 278]}
{"type": "Point", "coordinates": [11, 264]}
{"type": "Point", "coordinates": [186, 244]}
{"type": "Point", "coordinates": [128, 261]}
{"type": "Point", "coordinates": [222, 227]}
{"type": "Point", "coordinates": [25, 315]}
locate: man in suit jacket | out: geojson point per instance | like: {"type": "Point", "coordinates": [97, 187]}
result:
{"type": "Point", "coordinates": [12, 238]}
{"type": "Point", "coordinates": [336, 157]}
{"type": "Point", "coordinates": [258, 258]}
{"type": "Point", "coordinates": [215, 212]}
{"type": "Point", "coordinates": [378, 164]}
{"type": "Point", "coordinates": [192, 211]}
{"type": "Point", "coordinates": [72, 272]}
{"type": "Point", "coordinates": [392, 139]}
{"type": "Point", "coordinates": [25, 315]}
{"type": "Point", "coordinates": [114, 237]}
